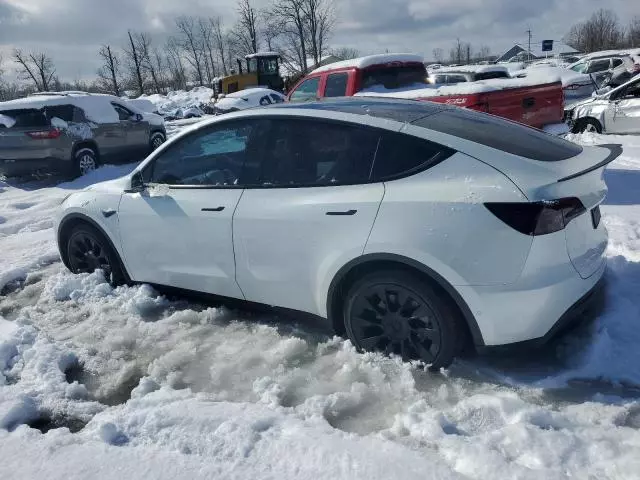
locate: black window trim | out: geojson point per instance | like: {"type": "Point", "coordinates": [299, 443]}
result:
{"type": "Point", "coordinates": [432, 162]}
{"type": "Point", "coordinates": [151, 164]}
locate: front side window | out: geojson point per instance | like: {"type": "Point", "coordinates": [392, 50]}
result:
{"type": "Point", "coordinates": [123, 113]}
{"type": "Point", "coordinates": [307, 91]}
{"type": "Point", "coordinates": [302, 152]}
{"type": "Point", "coordinates": [268, 66]}
{"type": "Point", "coordinates": [336, 85]}
{"type": "Point", "coordinates": [401, 155]}
{"type": "Point", "coordinates": [598, 66]}
{"type": "Point", "coordinates": [212, 157]}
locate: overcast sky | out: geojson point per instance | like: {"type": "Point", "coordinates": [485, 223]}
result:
{"type": "Point", "coordinates": [71, 31]}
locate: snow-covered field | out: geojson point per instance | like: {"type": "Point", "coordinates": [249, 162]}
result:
{"type": "Point", "coordinates": [130, 384]}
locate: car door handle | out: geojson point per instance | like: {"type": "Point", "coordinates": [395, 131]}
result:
{"type": "Point", "coordinates": [345, 213]}
{"type": "Point", "coordinates": [217, 209]}
{"type": "Point", "coordinates": [109, 212]}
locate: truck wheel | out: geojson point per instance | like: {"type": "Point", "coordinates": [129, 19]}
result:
{"type": "Point", "coordinates": [587, 125]}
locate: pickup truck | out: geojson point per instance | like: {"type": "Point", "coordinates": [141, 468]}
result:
{"type": "Point", "coordinates": [405, 76]}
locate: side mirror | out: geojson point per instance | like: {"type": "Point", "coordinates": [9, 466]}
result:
{"type": "Point", "coordinates": [137, 184]}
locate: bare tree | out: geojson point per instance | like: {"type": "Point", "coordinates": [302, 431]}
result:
{"type": "Point", "coordinates": [468, 51]}
{"type": "Point", "coordinates": [438, 55]}
{"type": "Point", "coordinates": [135, 60]}
{"type": "Point", "coordinates": [178, 75]}
{"type": "Point", "coordinates": [602, 31]}
{"type": "Point", "coordinates": [245, 32]}
{"type": "Point", "coordinates": [484, 53]}
{"type": "Point", "coordinates": [147, 60]}
{"type": "Point", "coordinates": [456, 54]}
{"type": "Point", "coordinates": [207, 38]}
{"type": "Point", "coordinates": [272, 29]}
{"type": "Point", "coordinates": [319, 18]}
{"type": "Point", "coordinates": [633, 32]}
{"type": "Point", "coordinates": [109, 73]}
{"type": "Point", "coordinates": [37, 67]}
{"type": "Point", "coordinates": [294, 20]}
{"type": "Point", "coordinates": [345, 53]}
{"type": "Point", "coordinates": [191, 44]}
{"type": "Point", "coordinates": [221, 42]}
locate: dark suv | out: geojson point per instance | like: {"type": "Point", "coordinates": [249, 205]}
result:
{"type": "Point", "coordinates": [73, 132]}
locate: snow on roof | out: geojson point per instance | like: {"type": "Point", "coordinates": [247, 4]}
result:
{"type": "Point", "coordinates": [364, 62]}
{"type": "Point", "coordinates": [550, 74]}
{"type": "Point", "coordinates": [97, 107]}
{"type": "Point", "coordinates": [475, 69]}
{"type": "Point", "coordinates": [611, 53]}
{"type": "Point", "coordinates": [262, 54]}
{"type": "Point", "coordinates": [247, 98]}
{"type": "Point", "coordinates": [464, 88]}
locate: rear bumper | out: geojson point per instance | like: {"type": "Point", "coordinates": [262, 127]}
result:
{"type": "Point", "coordinates": [585, 309]}
{"type": "Point", "coordinates": [28, 166]}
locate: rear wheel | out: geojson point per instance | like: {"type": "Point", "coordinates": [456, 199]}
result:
{"type": "Point", "coordinates": [396, 312]}
{"type": "Point", "coordinates": [587, 125]}
{"type": "Point", "coordinates": [88, 250]}
{"type": "Point", "coordinates": [85, 161]}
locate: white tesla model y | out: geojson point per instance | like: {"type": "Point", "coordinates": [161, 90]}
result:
{"type": "Point", "coordinates": [412, 227]}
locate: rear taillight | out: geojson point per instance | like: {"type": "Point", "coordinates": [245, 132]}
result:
{"type": "Point", "coordinates": [538, 218]}
{"type": "Point", "coordinates": [45, 134]}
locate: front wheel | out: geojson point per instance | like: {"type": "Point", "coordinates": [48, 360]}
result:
{"type": "Point", "coordinates": [88, 250]}
{"type": "Point", "coordinates": [583, 125]}
{"type": "Point", "coordinates": [396, 312]}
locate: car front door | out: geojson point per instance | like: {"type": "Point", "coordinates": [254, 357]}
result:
{"type": "Point", "coordinates": [623, 113]}
{"type": "Point", "coordinates": [178, 230]}
{"type": "Point", "coordinates": [311, 207]}
{"type": "Point", "coordinates": [136, 129]}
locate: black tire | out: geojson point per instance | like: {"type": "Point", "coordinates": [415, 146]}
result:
{"type": "Point", "coordinates": [85, 160]}
{"type": "Point", "coordinates": [412, 320]}
{"type": "Point", "coordinates": [87, 250]}
{"type": "Point", "coordinates": [156, 140]}
{"type": "Point", "coordinates": [586, 124]}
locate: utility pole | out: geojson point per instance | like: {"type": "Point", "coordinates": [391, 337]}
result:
{"type": "Point", "coordinates": [529, 50]}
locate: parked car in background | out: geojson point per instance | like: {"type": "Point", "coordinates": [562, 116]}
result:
{"type": "Point", "coordinates": [467, 73]}
{"type": "Point", "coordinates": [73, 132]}
{"type": "Point", "coordinates": [248, 98]}
{"type": "Point", "coordinates": [617, 111]}
{"type": "Point", "coordinates": [596, 66]}
{"type": "Point", "coordinates": [404, 76]}
{"type": "Point", "coordinates": [412, 227]}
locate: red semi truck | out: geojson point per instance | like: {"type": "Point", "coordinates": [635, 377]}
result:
{"type": "Point", "coordinates": [404, 76]}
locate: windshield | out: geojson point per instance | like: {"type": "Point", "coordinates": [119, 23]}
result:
{"type": "Point", "coordinates": [580, 67]}
{"type": "Point", "coordinates": [394, 77]}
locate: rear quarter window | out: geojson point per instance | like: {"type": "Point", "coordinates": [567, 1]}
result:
{"type": "Point", "coordinates": [27, 118]}
{"type": "Point", "coordinates": [501, 134]}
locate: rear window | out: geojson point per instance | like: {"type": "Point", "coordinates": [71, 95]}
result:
{"type": "Point", "coordinates": [394, 77]}
{"type": "Point", "coordinates": [490, 75]}
{"type": "Point", "coordinates": [27, 118]}
{"type": "Point", "coordinates": [501, 134]}
{"type": "Point", "coordinates": [400, 155]}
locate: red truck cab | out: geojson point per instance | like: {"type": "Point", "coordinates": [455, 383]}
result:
{"type": "Point", "coordinates": [405, 76]}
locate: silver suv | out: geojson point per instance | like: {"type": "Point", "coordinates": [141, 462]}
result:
{"type": "Point", "coordinates": [73, 132]}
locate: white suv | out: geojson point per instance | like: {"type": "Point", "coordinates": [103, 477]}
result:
{"type": "Point", "coordinates": [411, 226]}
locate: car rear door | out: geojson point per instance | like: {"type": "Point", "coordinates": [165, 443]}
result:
{"type": "Point", "coordinates": [311, 208]}
{"type": "Point", "coordinates": [178, 232]}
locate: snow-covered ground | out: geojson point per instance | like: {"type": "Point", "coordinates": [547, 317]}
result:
{"type": "Point", "coordinates": [179, 103]}
{"type": "Point", "coordinates": [130, 384]}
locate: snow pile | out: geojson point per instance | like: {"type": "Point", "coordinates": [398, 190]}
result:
{"type": "Point", "coordinates": [418, 91]}
{"type": "Point", "coordinates": [249, 98]}
{"type": "Point", "coordinates": [181, 103]}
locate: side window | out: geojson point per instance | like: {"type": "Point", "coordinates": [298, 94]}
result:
{"type": "Point", "coordinates": [123, 113]}
{"type": "Point", "coordinates": [307, 91]}
{"type": "Point", "coordinates": [598, 66]}
{"type": "Point", "coordinates": [456, 78]}
{"type": "Point", "coordinates": [211, 157]}
{"type": "Point", "coordinates": [63, 112]}
{"type": "Point", "coordinates": [311, 153]}
{"type": "Point", "coordinates": [617, 62]}
{"type": "Point", "coordinates": [336, 85]}
{"type": "Point", "coordinates": [264, 101]}
{"type": "Point", "coordinates": [275, 98]}
{"type": "Point", "coordinates": [402, 155]}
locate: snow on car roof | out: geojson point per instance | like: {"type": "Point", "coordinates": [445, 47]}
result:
{"type": "Point", "coordinates": [549, 74]}
{"type": "Point", "coordinates": [611, 53]}
{"type": "Point", "coordinates": [464, 88]}
{"type": "Point", "coordinates": [262, 54]}
{"type": "Point", "coordinates": [252, 91]}
{"type": "Point", "coordinates": [364, 62]}
{"type": "Point", "coordinates": [97, 107]}
{"type": "Point", "coordinates": [475, 69]}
